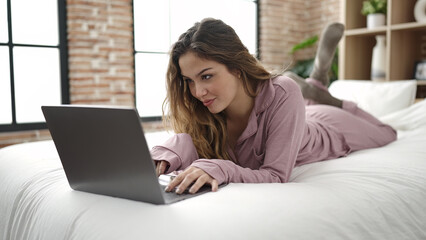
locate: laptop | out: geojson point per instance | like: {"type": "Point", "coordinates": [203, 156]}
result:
{"type": "Point", "coordinates": [103, 150]}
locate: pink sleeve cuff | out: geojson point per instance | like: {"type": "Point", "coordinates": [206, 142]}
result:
{"type": "Point", "coordinates": [160, 153]}
{"type": "Point", "coordinates": [179, 151]}
{"type": "Point", "coordinates": [211, 169]}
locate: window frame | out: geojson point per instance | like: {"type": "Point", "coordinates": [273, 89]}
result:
{"type": "Point", "coordinates": [159, 118]}
{"type": "Point", "coordinates": [63, 62]}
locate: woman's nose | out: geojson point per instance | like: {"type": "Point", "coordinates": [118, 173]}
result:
{"type": "Point", "coordinates": [200, 90]}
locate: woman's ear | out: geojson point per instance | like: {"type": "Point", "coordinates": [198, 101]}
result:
{"type": "Point", "coordinates": [237, 73]}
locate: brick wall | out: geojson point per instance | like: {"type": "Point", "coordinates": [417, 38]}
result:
{"type": "Point", "coordinates": [284, 23]}
{"type": "Point", "coordinates": [100, 43]}
{"type": "Point", "coordinates": [101, 48]}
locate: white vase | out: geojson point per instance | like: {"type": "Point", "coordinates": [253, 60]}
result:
{"type": "Point", "coordinates": [420, 11]}
{"type": "Point", "coordinates": [376, 20]}
{"type": "Point", "coordinates": [378, 61]}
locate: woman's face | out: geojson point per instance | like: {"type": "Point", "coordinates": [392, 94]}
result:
{"type": "Point", "coordinates": [211, 82]}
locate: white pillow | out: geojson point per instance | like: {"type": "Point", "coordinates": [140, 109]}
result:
{"type": "Point", "coordinates": [377, 98]}
{"type": "Point", "coordinates": [413, 117]}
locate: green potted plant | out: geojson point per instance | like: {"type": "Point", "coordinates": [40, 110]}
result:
{"type": "Point", "coordinates": [375, 10]}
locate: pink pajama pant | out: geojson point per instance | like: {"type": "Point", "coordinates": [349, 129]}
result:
{"type": "Point", "coordinates": [360, 129]}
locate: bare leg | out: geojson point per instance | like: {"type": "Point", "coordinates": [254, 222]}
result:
{"type": "Point", "coordinates": [329, 39]}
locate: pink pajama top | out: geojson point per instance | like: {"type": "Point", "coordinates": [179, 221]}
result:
{"type": "Point", "coordinates": [281, 133]}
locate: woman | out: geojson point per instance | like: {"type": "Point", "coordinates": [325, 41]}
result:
{"type": "Point", "coordinates": [236, 122]}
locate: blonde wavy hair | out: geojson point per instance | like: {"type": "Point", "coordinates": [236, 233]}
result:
{"type": "Point", "coordinates": [209, 39]}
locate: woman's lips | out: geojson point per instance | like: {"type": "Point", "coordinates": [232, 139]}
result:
{"type": "Point", "coordinates": [208, 102]}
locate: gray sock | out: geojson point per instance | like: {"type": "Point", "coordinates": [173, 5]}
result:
{"type": "Point", "coordinates": [329, 39]}
{"type": "Point", "coordinates": [305, 87]}
{"type": "Point", "coordinates": [312, 92]}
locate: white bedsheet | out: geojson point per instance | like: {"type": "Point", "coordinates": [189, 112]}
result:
{"type": "Point", "coordinates": [371, 194]}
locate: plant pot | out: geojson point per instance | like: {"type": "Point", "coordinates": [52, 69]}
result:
{"type": "Point", "coordinates": [376, 20]}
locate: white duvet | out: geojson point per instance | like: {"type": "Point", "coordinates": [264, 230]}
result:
{"type": "Point", "coordinates": [371, 194]}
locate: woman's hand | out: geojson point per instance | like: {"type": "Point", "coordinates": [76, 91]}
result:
{"type": "Point", "coordinates": [191, 175]}
{"type": "Point", "coordinates": [161, 167]}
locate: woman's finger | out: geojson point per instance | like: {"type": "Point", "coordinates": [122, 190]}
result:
{"type": "Point", "coordinates": [199, 183]}
{"type": "Point", "coordinates": [160, 167]}
{"type": "Point", "coordinates": [157, 168]}
{"type": "Point", "coordinates": [195, 176]}
{"type": "Point", "coordinates": [215, 185]}
{"type": "Point", "coordinates": [191, 176]}
{"type": "Point", "coordinates": [202, 180]}
{"type": "Point", "coordinates": [163, 166]}
{"type": "Point", "coordinates": [176, 181]}
{"type": "Point", "coordinates": [183, 180]}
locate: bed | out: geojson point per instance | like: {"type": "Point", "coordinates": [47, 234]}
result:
{"type": "Point", "coordinates": [370, 194]}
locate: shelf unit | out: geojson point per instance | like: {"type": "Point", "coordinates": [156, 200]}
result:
{"type": "Point", "coordinates": [405, 42]}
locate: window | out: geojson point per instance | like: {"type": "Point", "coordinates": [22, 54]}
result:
{"type": "Point", "coordinates": [158, 24]}
{"type": "Point", "coordinates": [33, 61]}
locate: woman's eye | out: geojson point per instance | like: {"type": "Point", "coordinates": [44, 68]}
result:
{"type": "Point", "coordinates": [189, 81]}
{"type": "Point", "coordinates": [206, 77]}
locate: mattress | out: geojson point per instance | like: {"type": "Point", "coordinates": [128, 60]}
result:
{"type": "Point", "coordinates": [370, 194]}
